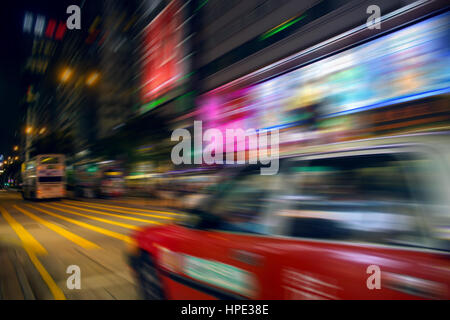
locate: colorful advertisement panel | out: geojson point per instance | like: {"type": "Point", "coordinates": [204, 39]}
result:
{"type": "Point", "coordinates": [162, 66]}
{"type": "Point", "coordinates": [405, 65]}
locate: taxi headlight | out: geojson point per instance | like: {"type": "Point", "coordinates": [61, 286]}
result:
{"type": "Point", "coordinates": [132, 248]}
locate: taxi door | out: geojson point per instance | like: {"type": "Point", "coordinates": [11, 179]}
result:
{"type": "Point", "coordinates": [231, 259]}
{"type": "Point", "coordinates": [361, 227]}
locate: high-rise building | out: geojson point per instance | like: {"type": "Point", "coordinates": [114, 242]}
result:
{"type": "Point", "coordinates": [118, 96]}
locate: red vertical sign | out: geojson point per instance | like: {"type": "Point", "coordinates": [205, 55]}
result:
{"type": "Point", "coordinates": [162, 53]}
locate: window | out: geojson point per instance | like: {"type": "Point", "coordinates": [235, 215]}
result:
{"type": "Point", "coordinates": [374, 199]}
{"type": "Point", "coordinates": [49, 179]}
{"type": "Point", "coordinates": [30, 166]}
{"type": "Point", "coordinates": [242, 205]}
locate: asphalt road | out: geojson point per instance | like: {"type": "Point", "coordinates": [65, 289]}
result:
{"type": "Point", "coordinates": [40, 240]}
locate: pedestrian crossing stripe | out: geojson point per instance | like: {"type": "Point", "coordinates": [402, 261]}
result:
{"type": "Point", "coordinates": [86, 244]}
{"type": "Point", "coordinates": [110, 233]}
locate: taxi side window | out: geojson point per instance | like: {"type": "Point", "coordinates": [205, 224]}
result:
{"type": "Point", "coordinates": [241, 206]}
{"type": "Point", "coordinates": [373, 199]}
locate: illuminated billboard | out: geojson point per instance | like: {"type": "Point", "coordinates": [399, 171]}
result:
{"type": "Point", "coordinates": [162, 55]}
{"type": "Point", "coordinates": [406, 65]}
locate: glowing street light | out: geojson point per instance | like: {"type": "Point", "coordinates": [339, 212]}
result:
{"type": "Point", "coordinates": [42, 131]}
{"type": "Point", "coordinates": [92, 79]}
{"type": "Point", "coordinates": [66, 74]}
{"type": "Point", "coordinates": [16, 148]}
{"type": "Point", "coordinates": [28, 130]}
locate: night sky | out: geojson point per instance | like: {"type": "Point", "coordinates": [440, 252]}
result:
{"type": "Point", "coordinates": [10, 61]}
{"type": "Point", "coordinates": [12, 54]}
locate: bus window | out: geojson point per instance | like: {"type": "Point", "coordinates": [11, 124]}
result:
{"type": "Point", "coordinates": [50, 179]}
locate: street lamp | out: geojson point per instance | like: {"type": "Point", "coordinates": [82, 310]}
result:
{"type": "Point", "coordinates": [28, 130]}
{"type": "Point", "coordinates": [42, 131]}
{"type": "Point", "coordinates": [16, 148]}
{"type": "Point", "coordinates": [66, 74]}
{"type": "Point", "coordinates": [92, 78]}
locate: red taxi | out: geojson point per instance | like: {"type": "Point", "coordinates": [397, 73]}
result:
{"type": "Point", "coordinates": [367, 219]}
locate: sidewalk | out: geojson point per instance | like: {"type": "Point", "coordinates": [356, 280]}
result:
{"type": "Point", "coordinates": [15, 280]}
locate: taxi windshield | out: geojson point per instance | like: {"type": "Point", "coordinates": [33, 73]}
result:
{"type": "Point", "coordinates": [241, 204]}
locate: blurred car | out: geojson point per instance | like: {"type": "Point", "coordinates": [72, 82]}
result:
{"type": "Point", "coordinates": [97, 179]}
{"type": "Point", "coordinates": [316, 230]}
{"type": "Point", "coordinates": [112, 183]}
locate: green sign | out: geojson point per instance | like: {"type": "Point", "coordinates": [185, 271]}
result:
{"type": "Point", "coordinates": [219, 274]}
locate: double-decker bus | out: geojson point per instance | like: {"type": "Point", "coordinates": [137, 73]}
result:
{"type": "Point", "coordinates": [43, 177]}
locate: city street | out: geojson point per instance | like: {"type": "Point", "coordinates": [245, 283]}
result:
{"type": "Point", "coordinates": [193, 150]}
{"type": "Point", "coordinates": [40, 240]}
